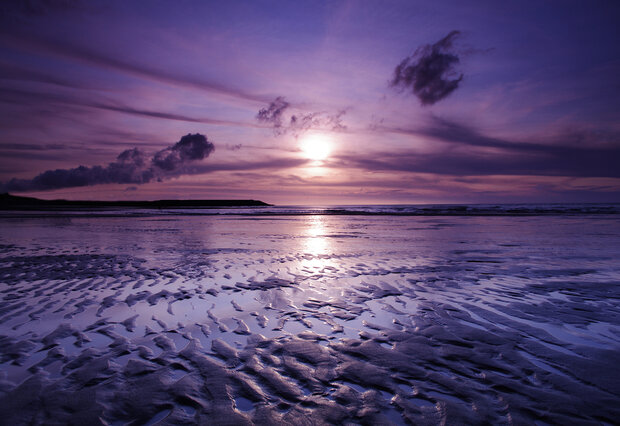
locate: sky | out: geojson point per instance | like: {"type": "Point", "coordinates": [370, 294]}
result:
{"type": "Point", "coordinates": [311, 102]}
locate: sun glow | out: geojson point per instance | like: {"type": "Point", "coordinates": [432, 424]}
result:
{"type": "Point", "coordinates": [316, 146]}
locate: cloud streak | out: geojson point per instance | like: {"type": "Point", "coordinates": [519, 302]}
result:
{"type": "Point", "coordinates": [72, 51]}
{"type": "Point", "coordinates": [453, 132]}
{"type": "Point", "coordinates": [275, 164]}
{"type": "Point", "coordinates": [430, 72]}
{"type": "Point", "coordinates": [11, 72]}
{"type": "Point", "coordinates": [23, 96]}
{"type": "Point", "coordinates": [588, 155]}
{"type": "Point", "coordinates": [130, 167]}
{"type": "Point", "coordinates": [573, 163]}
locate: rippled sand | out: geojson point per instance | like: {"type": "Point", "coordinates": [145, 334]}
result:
{"type": "Point", "coordinates": [310, 320]}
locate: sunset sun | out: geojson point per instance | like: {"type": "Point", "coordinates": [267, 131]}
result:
{"type": "Point", "coordinates": [316, 146]}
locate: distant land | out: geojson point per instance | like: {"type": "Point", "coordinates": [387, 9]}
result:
{"type": "Point", "coordinates": [13, 202]}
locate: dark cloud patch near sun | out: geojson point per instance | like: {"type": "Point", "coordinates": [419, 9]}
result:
{"type": "Point", "coordinates": [131, 166]}
{"type": "Point", "coordinates": [430, 72]}
{"type": "Point", "coordinates": [273, 113]}
{"type": "Point", "coordinates": [277, 114]}
{"type": "Point", "coordinates": [317, 120]}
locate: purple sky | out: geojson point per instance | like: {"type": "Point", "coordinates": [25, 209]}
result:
{"type": "Point", "coordinates": [413, 101]}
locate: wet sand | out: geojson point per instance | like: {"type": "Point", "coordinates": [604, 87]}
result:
{"type": "Point", "coordinates": [310, 320]}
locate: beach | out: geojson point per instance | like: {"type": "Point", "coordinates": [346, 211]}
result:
{"type": "Point", "coordinates": [309, 316]}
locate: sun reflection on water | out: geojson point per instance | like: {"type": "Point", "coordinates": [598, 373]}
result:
{"type": "Point", "coordinates": [319, 261]}
{"type": "Point", "coordinates": [317, 247]}
{"type": "Point", "coordinates": [316, 243]}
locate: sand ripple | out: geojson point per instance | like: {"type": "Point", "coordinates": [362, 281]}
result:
{"type": "Point", "coordinates": [349, 320]}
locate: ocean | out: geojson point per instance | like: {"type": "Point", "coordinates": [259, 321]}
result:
{"type": "Point", "coordinates": [437, 314]}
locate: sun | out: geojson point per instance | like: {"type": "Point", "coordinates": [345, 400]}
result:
{"type": "Point", "coordinates": [316, 146]}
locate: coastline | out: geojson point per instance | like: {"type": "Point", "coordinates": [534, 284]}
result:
{"type": "Point", "coordinates": [12, 202]}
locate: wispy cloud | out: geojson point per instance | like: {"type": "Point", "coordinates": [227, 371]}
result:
{"type": "Point", "coordinates": [574, 154]}
{"type": "Point", "coordinates": [10, 71]}
{"type": "Point", "coordinates": [453, 132]}
{"type": "Point", "coordinates": [430, 72]}
{"type": "Point", "coordinates": [276, 163]}
{"type": "Point", "coordinates": [573, 163]}
{"type": "Point", "coordinates": [285, 118]}
{"type": "Point", "coordinates": [64, 49]}
{"type": "Point", "coordinates": [273, 113]}
{"type": "Point", "coordinates": [24, 96]}
{"type": "Point", "coordinates": [131, 166]}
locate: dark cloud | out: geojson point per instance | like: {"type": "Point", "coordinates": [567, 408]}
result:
{"type": "Point", "coordinates": [273, 113]}
{"type": "Point", "coordinates": [301, 123]}
{"type": "Point", "coordinates": [277, 114]}
{"type": "Point", "coordinates": [189, 148]}
{"type": "Point", "coordinates": [317, 120]}
{"type": "Point", "coordinates": [430, 72]}
{"type": "Point", "coordinates": [131, 166]}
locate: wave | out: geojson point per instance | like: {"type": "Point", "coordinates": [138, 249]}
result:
{"type": "Point", "coordinates": [358, 210]}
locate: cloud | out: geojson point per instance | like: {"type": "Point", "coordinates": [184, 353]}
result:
{"type": "Point", "coordinates": [36, 98]}
{"type": "Point", "coordinates": [568, 163]}
{"type": "Point", "coordinates": [556, 145]}
{"type": "Point", "coordinates": [430, 72]}
{"type": "Point", "coordinates": [189, 148]}
{"type": "Point", "coordinates": [571, 154]}
{"type": "Point", "coordinates": [275, 115]}
{"type": "Point", "coordinates": [131, 166]}
{"type": "Point", "coordinates": [32, 146]}
{"type": "Point", "coordinates": [12, 72]}
{"type": "Point", "coordinates": [23, 40]}
{"type": "Point", "coordinates": [317, 120]}
{"type": "Point", "coordinates": [277, 163]}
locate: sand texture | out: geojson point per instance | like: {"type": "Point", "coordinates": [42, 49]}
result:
{"type": "Point", "coordinates": [310, 320]}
